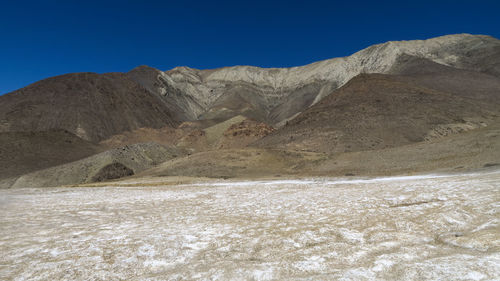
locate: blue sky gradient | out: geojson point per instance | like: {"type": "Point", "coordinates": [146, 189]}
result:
{"type": "Point", "coordinates": [40, 39]}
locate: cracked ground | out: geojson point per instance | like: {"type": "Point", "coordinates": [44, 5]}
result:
{"type": "Point", "coordinates": [402, 228]}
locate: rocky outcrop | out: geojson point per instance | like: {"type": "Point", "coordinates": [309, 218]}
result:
{"type": "Point", "coordinates": [242, 134]}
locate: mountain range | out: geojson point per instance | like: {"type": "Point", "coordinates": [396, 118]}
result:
{"type": "Point", "coordinates": [435, 100]}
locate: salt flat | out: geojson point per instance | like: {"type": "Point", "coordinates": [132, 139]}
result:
{"type": "Point", "coordinates": [406, 228]}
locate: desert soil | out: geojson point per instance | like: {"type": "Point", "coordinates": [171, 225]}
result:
{"type": "Point", "coordinates": [401, 228]}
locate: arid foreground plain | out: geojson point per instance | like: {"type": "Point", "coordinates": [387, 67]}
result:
{"type": "Point", "coordinates": [395, 228]}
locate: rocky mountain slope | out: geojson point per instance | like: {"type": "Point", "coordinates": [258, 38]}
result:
{"type": "Point", "coordinates": [95, 106]}
{"type": "Point", "coordinates": [471, 150]}
{"type": "Point", "coordinates": [273, 95]}
{"type": "Point", "coordinates": [111, 164]}
{"type": "Point", "coordinates": [24, 152]}
{"type": "Point", "coordinates": [386, 97]}
{"type": "Point", "coordinates": [240, 135]}
{"type": "Point", "coordinates": [91, 106]}
{"type": "Point", "coordinates": [375, 111]}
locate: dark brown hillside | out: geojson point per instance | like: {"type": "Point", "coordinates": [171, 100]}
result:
{"type": "Point", "coordinates": [92, 106]}
{"type": "Point", "coordinates": [465, 83]}
{"type": "Point", "coordinates": [24, 152]}
{"type": "Point", "coordinates": [375, 111]}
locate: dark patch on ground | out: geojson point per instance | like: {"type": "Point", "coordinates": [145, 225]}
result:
{"type": "Point", "coordinates": [414, 203]}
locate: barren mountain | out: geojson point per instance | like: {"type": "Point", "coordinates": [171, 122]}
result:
{"type": "Point", "coordinates": [95, 106]}
{"type": "Point", "coordinates": [375, 111]}
{"type": "Point", "coordinates": [387, 96]}
{"type": "Point", "coordinates": [91, 106]}
{"type": "Point", "coordinates": [464, 83]}
{"type": "Point", "coordinates": [273, 95]}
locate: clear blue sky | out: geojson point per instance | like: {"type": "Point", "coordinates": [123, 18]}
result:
{"type": "Point", "coordinates": [40, 39]}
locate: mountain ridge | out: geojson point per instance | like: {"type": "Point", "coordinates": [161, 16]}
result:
{"type": "Point", "coordinates": [387, 96]}
{"type": "Point", "coordinates": [205, 87]}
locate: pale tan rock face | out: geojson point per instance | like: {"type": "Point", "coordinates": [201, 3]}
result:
{"type": "Point", "coordinates": [374, 59]}
{"type": "Point", "coordinates": [197, 91]}
{"type": "Point", "coordinates": [405, 228]}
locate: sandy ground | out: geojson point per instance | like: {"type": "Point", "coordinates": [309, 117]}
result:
{"type": "Point", "coordinates": [403, 228]}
